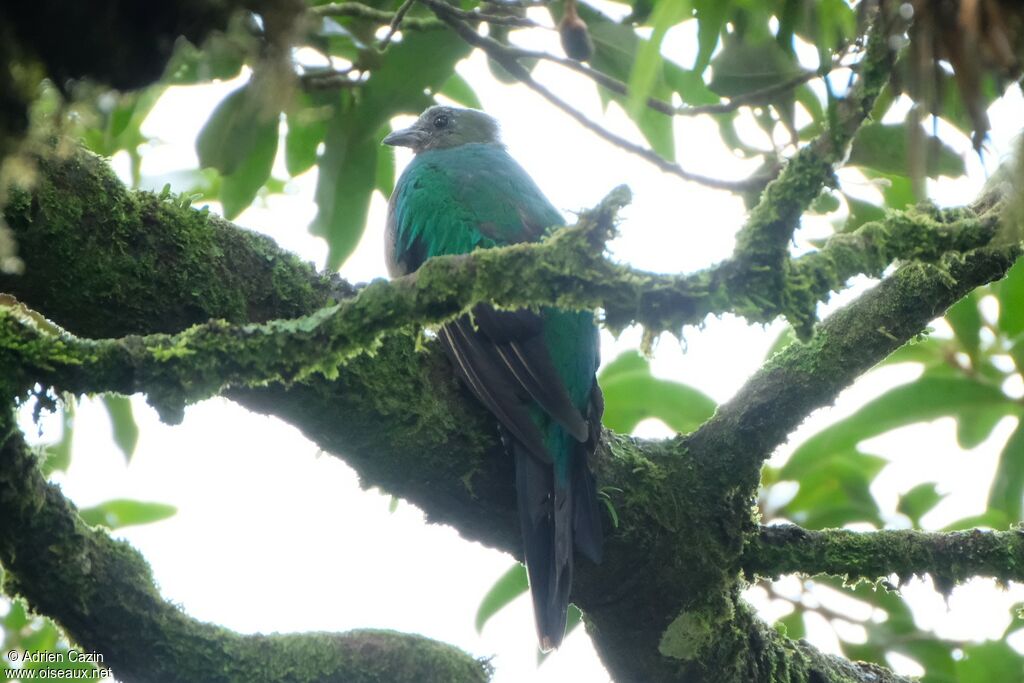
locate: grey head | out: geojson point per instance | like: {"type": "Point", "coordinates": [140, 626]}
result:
{"type": "Point", "coordinates": [443, 127]}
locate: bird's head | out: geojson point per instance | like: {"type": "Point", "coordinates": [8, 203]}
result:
{"type": "Point", "coordinates": [442, 127]}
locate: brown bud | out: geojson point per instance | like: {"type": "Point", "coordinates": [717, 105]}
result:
{"type": "Point", "coordinates": [576, 40]}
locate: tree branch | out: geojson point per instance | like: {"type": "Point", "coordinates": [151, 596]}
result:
{"type": "Point", "coordinates": [404, 424]}
{"type": "Point", "coordinates": [102, 593]}
{"type": "Point", "coordinates": [951, 557]}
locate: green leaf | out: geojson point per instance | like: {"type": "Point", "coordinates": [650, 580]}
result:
{"type": "Point", "coordinates": [885, 148]}
{"type": "Point", "coordinates": [507, 588]}
{"type": "Point", "coordinates": [648, 62]}
{"type": "Point", "coordinates": [690, 86]}
{"type": "Point", "coordinates": [348, 172]}
{"type": "Point", "coordinates": [116, 514]}
{"type": "Point", "coordinates": [632, 394]}
{"type": "Point", "coordinates": [1011, 301]}
{"type": "Point", "coordinates": [861, 212]}
{"type": "Point", "coordinates": [743, 67]}
{"type": "Point", "coordinates": [348, 166]}
{"type": "Point", "coordinates": [58, 455]}
{"type": "Point", "coordinates": [928, 398]}
{"type": "Point", "coordinates": [240, 141]}
{"type": "Point", "coordinates": [122, 422]}
{"type": "Point", "coordinates": [236, 129]}
{"type": "Point", "coordinates": [615, 48]}
{"type": "Point", "coordinates": [385, 179]}
{"type": "Point", "coordinates": [1007, 490]}
{"type": "Point", "coordinates": [916, 502]}
{"type": "Point", "coordinates": [989, 662]}
{"type": "Point", "coordinates": [221, 58]}
{"type": "Point", "coordinates": [239, 189]}
{"type": "Point", "coordinates": [307, 126]}
{"type": "Point", "coordinates": [711, 15]}
{"type": "Point", "coordinates": [965, 319]}
{"type": "Point", "coordinates": [792, 625]}
{"type": "Point", "coordinates": [457, 89]}
{"type": "Point", "coordinates": [994, 519]}
{"type": "Point", "coordinates": [974, 425]}
{"type": "Point", "coordinates": [928, 351]}
{"type": "Point", "coordinates": [837, 491]}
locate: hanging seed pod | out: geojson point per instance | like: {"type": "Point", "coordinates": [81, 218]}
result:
{"type": "Point", "coordinates": [576, 40]}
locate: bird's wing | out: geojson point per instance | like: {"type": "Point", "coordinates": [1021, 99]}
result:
{"type": "Point", "coordinates": [451, 202]}
{"type": "Point", "coordinates": [519, 339]}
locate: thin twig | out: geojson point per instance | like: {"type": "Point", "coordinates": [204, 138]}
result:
{"type": "Point", "coordinates": [361, 11]}
{"type": "Point", "coordinates": [617, 86]}
{"type": "Point", "coordinates": [511, 64]}
{"type": "Point", "coordinates": [396, 21]}
{"type": "Point", "coordinates": [328, 79]}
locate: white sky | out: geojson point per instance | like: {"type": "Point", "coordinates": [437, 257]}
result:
{"type": "Point", "coordinates": [273, 536]}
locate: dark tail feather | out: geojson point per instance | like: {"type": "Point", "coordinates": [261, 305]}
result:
{"type": "Point", "coordinates": [546, 518]}
{"type": "Point", "coordinates": [586, 514]}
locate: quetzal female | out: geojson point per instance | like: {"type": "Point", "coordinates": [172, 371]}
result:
{"type": "Point", "coordinates": [534, 370]}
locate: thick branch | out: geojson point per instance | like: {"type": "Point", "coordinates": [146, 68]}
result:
{"type": "Point", "coordinates": [403, 423]}
{"type": "Point", "coordinates": [950, 557]}
{"type": "Point", "coordinates": [102, 593]}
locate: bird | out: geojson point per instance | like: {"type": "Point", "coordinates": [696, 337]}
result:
{"type": "Point", "coordinates": [534, 370]}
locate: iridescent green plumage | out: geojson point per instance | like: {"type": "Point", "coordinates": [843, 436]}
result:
{"type": "Point", "coordinates": [533, 370]}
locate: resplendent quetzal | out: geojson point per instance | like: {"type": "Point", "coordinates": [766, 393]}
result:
{"type": "Point", "coordinates": [534, 370]}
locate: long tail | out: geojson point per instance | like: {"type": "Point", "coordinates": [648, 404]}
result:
{"type": "Point", "coordinates": [552, 513]}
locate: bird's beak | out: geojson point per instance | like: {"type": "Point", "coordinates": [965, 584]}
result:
{"type": "Point", "coordinates": [407, 137]}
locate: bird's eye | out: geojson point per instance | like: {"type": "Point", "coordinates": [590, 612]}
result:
{"type": "Point", "coordinates": [441, 121]}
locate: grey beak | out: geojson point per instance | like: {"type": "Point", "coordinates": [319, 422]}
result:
{"type": "Point", "coordinates": [407, 137]}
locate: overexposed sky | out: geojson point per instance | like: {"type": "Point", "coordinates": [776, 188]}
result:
{"type": "Point", "coordinates": [272, 535]}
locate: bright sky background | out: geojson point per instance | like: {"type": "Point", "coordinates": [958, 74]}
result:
{"type": "Point", "coordinates": [272, 535]}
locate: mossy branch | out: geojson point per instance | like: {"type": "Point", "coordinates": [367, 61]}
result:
{"type": "Point", "coordinates": [760, 261]}
{"type": "Point", "coordinates": [950, 557]}
{"type": "Point", "coordinates": [105, 262]}
{"type": "Point", "coordinates": [102, 592]}
{"type": "Point", "coordinates": [567, 269]}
